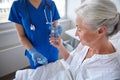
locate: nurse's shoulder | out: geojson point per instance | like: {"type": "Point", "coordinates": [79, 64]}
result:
{"type": "Point", "coordinates": [18, 3]}
{"type": "Point", "coordinates": [50, 2]}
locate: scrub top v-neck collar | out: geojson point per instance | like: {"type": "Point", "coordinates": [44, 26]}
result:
{"type": "Point", "coordinates": [32, 6]}
{"type": "Point", "coordinates": [36, 15]}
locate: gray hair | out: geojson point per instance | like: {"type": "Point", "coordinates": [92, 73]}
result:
{"type": "Point", "coordinates": [96, 13]}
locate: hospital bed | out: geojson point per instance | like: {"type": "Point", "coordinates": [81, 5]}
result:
{"type": "Point", "coordinates": [50, 70]}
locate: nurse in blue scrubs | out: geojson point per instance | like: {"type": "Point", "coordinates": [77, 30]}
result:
{"type": "Point", "coordinates": [33, 19]}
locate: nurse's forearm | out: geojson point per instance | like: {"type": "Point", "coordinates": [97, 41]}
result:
{"type": "Point", "coordinates": [25, 42]}
{"type": "Point", "coordinates": [63, 52]}
{"type": "Point", "coordinates": [23, 39]}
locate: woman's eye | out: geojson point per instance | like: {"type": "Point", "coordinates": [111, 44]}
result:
{"type": "Point", "coordinates": [78, 29]}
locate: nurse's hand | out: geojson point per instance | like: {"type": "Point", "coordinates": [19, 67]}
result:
{"type": "Point", "coordinates": [37, 57]}
{"type": "Point", "coordinates": [57, 42]}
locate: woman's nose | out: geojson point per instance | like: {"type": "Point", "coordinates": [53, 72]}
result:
{"type": "Point", "coordinates": [76, 33]}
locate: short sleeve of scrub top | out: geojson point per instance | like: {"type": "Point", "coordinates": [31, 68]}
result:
{"type": "Point", "coordinates": [14, 14]}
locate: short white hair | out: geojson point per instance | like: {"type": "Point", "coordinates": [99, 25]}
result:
{"type": "Point", "coordinates": [96, 13]}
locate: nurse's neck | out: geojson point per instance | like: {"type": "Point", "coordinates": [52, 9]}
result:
{"type": "Point", "coordinates": [35, 3]}
{"type": "Point", "coordinates": [35, 0]}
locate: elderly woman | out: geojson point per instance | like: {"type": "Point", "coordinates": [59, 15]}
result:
{"type": "Point", "coordinates": [97, 58]}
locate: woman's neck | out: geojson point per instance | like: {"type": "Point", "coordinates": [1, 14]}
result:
{"type": "Point", "coordinates": [103, 47]}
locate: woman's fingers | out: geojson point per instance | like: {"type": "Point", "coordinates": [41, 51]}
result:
{"type": "Point", "coordinates": [54, 41]}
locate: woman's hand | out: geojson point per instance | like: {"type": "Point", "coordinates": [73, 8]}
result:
{"type": "Point", "coordinates": [57, 42]}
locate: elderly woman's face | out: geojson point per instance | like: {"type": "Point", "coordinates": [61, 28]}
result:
{"type": "Point", "coordinates": [87, 35]}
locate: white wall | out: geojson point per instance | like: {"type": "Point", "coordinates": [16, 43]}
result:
{"type": "Point", "coordinates": [117, 3]}
{"type": "Point", "coordinates": [71, 7]}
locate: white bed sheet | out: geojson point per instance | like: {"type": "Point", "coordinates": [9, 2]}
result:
{"type": "Point", "coordinates": [45, 72]}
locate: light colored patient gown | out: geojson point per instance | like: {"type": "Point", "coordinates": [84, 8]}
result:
{"type": "Point", "coordinates": [98, 67]}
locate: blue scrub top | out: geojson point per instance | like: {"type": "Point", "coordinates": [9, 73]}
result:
{"type": "Point", "coordinates": [40, 37]}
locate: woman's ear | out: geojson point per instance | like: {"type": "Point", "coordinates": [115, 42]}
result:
{"type": "Point", "coordinates": [102, 30]}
